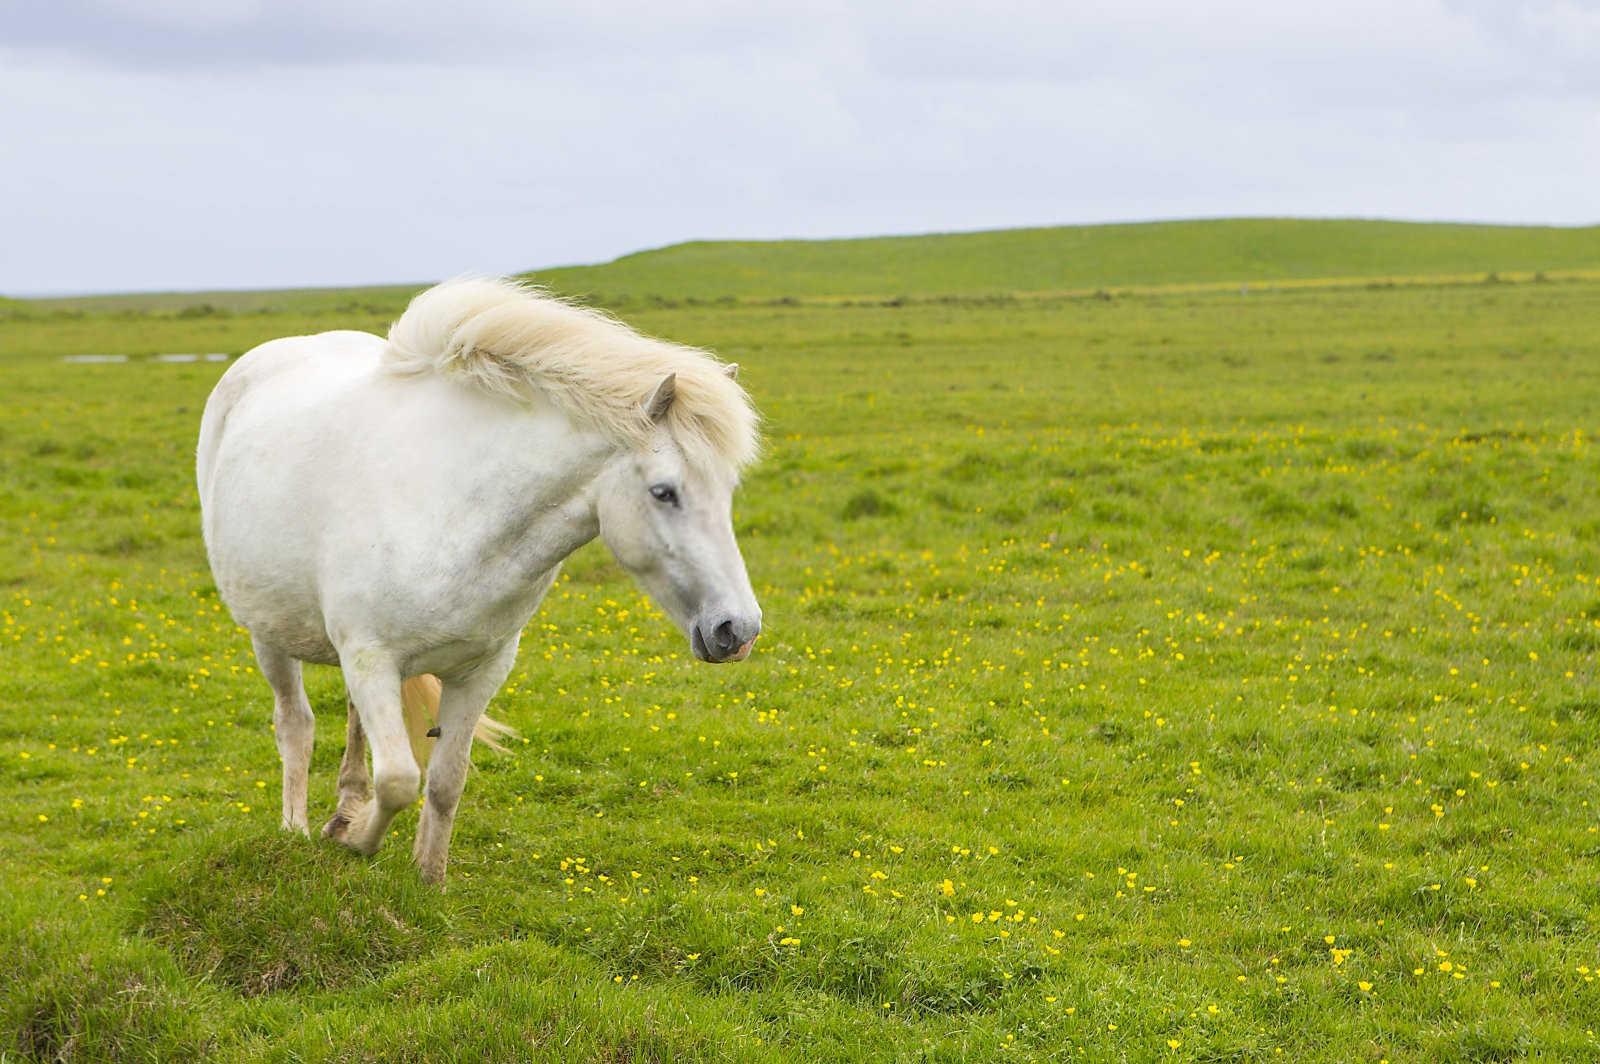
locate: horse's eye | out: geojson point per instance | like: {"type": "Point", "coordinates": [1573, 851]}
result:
{"type": "Point", "coordinates": [664, 493]}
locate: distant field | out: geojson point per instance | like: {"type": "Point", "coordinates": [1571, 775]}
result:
{"type": "Point", "coordinates": [984, 264]}
{"type": "Point", "coordinates": [196, 305]}
{"type": "Point", "coordinates": [1170, 676]}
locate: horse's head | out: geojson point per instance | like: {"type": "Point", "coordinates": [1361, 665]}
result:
{"type": "Point", "coordinates": [670, 524]}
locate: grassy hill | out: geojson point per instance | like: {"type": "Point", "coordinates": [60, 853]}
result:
{"type": "Point", "coordinates": [1075, 257]}
{"type": "Point", "coordinates": [1011, 261]}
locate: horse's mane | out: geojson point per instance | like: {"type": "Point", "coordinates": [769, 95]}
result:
{"type": "Point", "coordinates": [518, 340]}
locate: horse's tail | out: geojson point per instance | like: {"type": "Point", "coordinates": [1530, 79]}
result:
{"type": "Point", "coordinates": [419, 702]}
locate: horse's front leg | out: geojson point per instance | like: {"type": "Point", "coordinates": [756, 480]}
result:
{"type": "Point", "coordinates": [373, 680]}
{"type": "Point", "coordinates": [294, 728]}
{"type": "Point", "coordinates": [461, 703]}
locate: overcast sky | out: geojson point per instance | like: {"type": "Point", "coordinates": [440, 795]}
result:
{"type": "Point", "coordinates": [155, 144]}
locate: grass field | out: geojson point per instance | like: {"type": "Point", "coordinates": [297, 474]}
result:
{"type": "Point", "coordinates": [1168, 676]}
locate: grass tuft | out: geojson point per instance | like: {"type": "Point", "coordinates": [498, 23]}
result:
{"type": "Point", "coordinates": [279, 912]}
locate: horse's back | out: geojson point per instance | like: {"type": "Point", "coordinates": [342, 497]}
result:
{"type": "Point", "coordinates": [295, 369]}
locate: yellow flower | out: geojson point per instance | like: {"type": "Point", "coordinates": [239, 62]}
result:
{"type": "Point", "coordinates": [947, 888]}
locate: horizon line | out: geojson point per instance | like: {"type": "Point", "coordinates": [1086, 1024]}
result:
{"type": "Point", "coordinates": [1196, 219]}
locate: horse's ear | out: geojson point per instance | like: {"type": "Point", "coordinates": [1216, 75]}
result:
{"type": "Point", "coordinates": [660, 401]}
{"type": "Point", "coordinates": [731, 369]}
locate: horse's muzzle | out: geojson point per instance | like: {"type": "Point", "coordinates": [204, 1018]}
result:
{"type": "Point", "coordinates": [728, 640]}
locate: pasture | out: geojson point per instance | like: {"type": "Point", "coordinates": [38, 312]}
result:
{"type": "Point", "coordinates": [1185, 675]}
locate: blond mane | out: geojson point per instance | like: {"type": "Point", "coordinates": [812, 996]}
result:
{"type": "Point", "coordinates": [517, 340]}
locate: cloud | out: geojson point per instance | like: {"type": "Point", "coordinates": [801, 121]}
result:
{"type": "Point", "coordinates": [243, 143]}
{"type": "Point", "coordinates": [172, 34]}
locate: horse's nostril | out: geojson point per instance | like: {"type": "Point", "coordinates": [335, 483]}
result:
{"type": "Point", "coordinates": [724, 638]}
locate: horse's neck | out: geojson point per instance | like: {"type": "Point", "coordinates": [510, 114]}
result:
{"type": "Point", "coordinates": [542, 499]}
{"type": "Point", "coordinates": [500, 492]}
{"type": "Point", "coordinates": [543, 533]}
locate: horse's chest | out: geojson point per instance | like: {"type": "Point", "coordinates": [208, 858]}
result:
{"type": "Point", "coordinates": [446, 620]}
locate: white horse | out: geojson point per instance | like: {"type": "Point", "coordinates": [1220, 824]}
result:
{"type": "Point", "coordinates": [399, 507]}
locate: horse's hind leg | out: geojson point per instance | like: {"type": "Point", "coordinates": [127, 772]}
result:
{"type": "Point", "coordinates": [355, 785]}
{"type": "Point", "coordinates": [374, 685]}
{"type": "Point", "coordinates": [294, 728]}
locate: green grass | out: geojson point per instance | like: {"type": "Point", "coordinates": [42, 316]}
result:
{"type": "Point", "coordinates": [1168, 635]}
